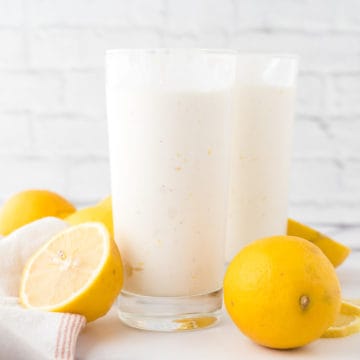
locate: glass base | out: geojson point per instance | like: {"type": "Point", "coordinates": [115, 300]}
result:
{"type": "Point", "coordinates": [170, 313]}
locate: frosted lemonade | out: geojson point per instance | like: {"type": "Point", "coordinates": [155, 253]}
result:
{"type": "Point", "coordinates": [169, 121]}
{"type": "Point", "coordinates": [264, 109]}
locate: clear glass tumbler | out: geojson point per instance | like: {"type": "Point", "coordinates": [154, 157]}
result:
{"type": "Point", "coordinates": [261, 148]}
{"type": "Point", "coordinates": [169, 126]}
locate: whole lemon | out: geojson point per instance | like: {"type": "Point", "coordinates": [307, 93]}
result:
{"type": "Point", "coordinates": [102, 212]}
{"type": "Point", "coordinates": [30, 205]}
{"type": "Point", "coordinates": [282, 292]}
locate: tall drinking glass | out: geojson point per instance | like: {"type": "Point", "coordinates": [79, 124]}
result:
{"type": "Point", "coordinates": [264, 111]}
{"type": "Point", "coordinates": [169, 126]}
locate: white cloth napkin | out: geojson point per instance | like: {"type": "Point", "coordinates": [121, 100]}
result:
{"type": "Point", "coordinates": [30, 334]}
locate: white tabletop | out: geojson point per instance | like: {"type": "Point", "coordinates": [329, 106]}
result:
{"type": "Point", "coordinates": [108, 338]}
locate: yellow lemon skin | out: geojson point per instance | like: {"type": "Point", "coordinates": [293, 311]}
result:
{"type": "Point", "coordinates": [282, 292]}
{"type": "Point", "coordinates": [336, 252]}
{"type": "Point", "coordinates": [30, 205]}
{"type": "Point", "coordinates": [102, 212]}
{"type": "Point", "coordinates": [88, 278]}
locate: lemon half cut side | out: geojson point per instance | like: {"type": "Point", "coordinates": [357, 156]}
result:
{"type": "Point", "coordinates": [78, 271]}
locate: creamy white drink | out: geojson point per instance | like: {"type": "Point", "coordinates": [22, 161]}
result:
{"type": "Point", "coordinates": [169, 133]}
{"type": "Point", "coordinates": [264, 109]}
{"type": "Point", "coordinates": [169, 189]}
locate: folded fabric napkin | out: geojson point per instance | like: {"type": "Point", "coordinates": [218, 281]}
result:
{"type": "Point", "coordinates": [31, 334]}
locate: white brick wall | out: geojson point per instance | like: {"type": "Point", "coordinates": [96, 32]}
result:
{"type": "Point", "coordinates": [52, 116]}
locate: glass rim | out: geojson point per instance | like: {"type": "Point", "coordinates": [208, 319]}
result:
{"type": "Point", "coordinates": [290, 56]}
{"type": "Point", "coordinates": [170, 50]}
{"type": "Point", "coordinates": [218, 51]}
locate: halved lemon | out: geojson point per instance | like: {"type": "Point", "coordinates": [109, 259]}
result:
{"type": "Point", "coordinates": [78, 271]}
{"type": "Point", "coordinates": [347, 322]}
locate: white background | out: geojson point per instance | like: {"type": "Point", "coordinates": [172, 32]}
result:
{"type": "Point", "coordinates": [52, 116]}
